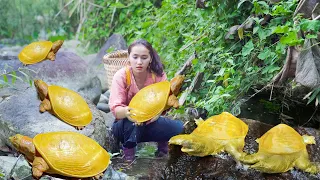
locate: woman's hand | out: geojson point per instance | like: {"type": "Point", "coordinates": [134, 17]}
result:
{"type": "Point", "coordinates": [127, 113]}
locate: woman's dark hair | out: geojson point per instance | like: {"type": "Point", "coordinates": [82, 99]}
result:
{"type": "Point", "coordinates": [156, 66]}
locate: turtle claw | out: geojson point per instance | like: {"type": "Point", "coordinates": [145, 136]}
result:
{"type": "Point", "coordinates": [98, 176]}
{"type": "Point", "coordinates": [79, 127]}
{"type": "Point", "coordinates": [45, 106]}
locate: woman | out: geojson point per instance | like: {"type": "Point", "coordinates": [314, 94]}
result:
{"type": "Point", "coordinates": [145, 69]}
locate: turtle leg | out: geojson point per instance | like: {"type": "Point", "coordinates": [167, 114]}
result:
{"type": "Point", "coordinates": [39, 166]}
{"type": "Point", "coordinates": [51, 56]}
{"type": "Point", "coordinates": [98, 176]}
{"type": "Point", "coordinates": [79, 127]}
{"type": "Point", "coordinates": [45, 105]}
{"type": "Point", "coordinates": [251, 158]}
{"type": "Point", "coordinates": [304, 163]}
{"type": "Point", "coordinates": [235, 150]}
{"type": "Point", "coordinates": [173, 101]}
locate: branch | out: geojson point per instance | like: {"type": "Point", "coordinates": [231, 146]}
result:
{"type": "Point", "coordinates": [185, 94]}
{"type": "Point", "coordinates": [113, 13]}
{"type": "Point", "coordinates": [187, 64]}
{"type": "Point", "coordinates": [186, 46]}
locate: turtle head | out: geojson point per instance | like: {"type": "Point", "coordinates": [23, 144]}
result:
{"type": "Point", "coordinates": [190, 144]}
{"type": "Point", "coordinates": [176, 83]}
{"type": "Point", "coordinates": [24, 145]}
{"type": "Point", "coordinates": [42, 88]}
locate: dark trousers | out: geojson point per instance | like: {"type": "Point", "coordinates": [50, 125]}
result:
{"type": "Point", "coordinates": [130, 134]}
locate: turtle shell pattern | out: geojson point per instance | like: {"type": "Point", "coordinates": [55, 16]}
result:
{"type": "Point", "coordinates": [71, 154]}
{"type": "Point", "coordinates": [281, 139]}
{"type": "Point", "coordinates": [223, 126]}
{"type": "Point", "coordinates": [69, 106]}
{"type": "Point", "coordinates": [150, 101]}
{"type": "Point", "coordinates": [35, 52]}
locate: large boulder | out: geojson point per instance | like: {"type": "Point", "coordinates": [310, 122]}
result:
{"type": "Point", "coordinates": [67, 70]}
{"type": "Point", "coordinates": [19, 113]}
{"type": "Point", "coordinates": [19, 168]}
{"type": "Point", "coordinates": [223, 166]}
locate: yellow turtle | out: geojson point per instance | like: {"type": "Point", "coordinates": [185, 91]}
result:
{"type": "Point", "coordinates": [219, 133]}
{"type": "Point", "coordinates": [38, 51]}
{"type": "Point", "coordinates": [281, 149]}
{"type": "Point", "coordinates": [66, 104]}
{"type": "Point", "coordinates": [152, 100]}
{"type": "Point", "coordinates": [69, 154]}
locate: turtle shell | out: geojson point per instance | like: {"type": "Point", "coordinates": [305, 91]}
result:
{"type": "Point", "coordinates": [281, 139]}
{"type": "Point", "coordinates": [223, 126]}
{"type": "Point", "coordinates": [35, 52]}
{"type": "Point", "coordinates": [150, 101]}
{"type": "Point", "coordinates": [69, 106]}
{"type": "Point", "coordinates": [71, 154]}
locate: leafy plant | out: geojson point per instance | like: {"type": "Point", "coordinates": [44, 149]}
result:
{"type": "Point", "coordinates": [177, 29]}
{"type": "Point", "coordinates": [21, 74]}
{"type": "Point", "coordinates": [313, 95]}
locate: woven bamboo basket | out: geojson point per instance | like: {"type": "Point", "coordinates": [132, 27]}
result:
{"type": "Point", "coordinates": [113, 62]}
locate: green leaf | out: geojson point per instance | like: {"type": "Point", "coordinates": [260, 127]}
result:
{"type": "Point", "coordinates": [311, 36]}
{"type": "Point", "coordinates": [314, 95]}
{"type": "Point", "coordinates": [240, 33]}
{"type": "Point", "coordinates": [307, 24]}
{"type": "Point", "coordinates": [261, 7]}
{"type": "Point", "coordinates": [146, 24]}
{"type": "Point", "coordinates": [14, 77]}
{"type": "Point", "coordinates": [281, 29]}
{"type": "Point", "coordinates": [291, 39]}
{"type": "Point", "coordinates": [195, 61]}
{"type": "Point", "coordinates": [264, 33]}
{"type": "Point", "coordinates": [118, 5]}
{"type": "Point", "coordinates": [255, 29]}
{"type": "Point", "coordinates": [270, 69]}
{"type": "Point", "coordinates": [5, 78]}
{"type": "Point", "coordinates": [264, 54]}
{"type": "Point", "coordinates": [247, 48]}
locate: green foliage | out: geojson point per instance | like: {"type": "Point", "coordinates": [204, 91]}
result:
{"type": "Point", "coordinates": [314, 95]}
{"type": "Point", "coordinates": [177, 29]}
{"type": "Point", "coordinates": [26, 20]}
{"type": "Point", "coordinates": [9, 76]}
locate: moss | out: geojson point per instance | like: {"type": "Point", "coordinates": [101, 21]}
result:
{"type": "Point", "coordinates": [270, 106]}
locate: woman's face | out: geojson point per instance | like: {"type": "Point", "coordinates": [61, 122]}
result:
{"type": "Point", "coordinates": [139, 58]}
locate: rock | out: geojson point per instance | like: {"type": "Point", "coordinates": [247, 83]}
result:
{"type": "Point", "coordinates": [112, 145]}
{"type": "Point", "coordinates": [92, 90]}
{"type": "Point", "coordinates": [68, 70]}
{"type": "Point", "coordinates": [223, 166]}
{"type": "Point", "coordinates": [103, 107]}
{"type": "Point", "coordinates": [110, 173]}
{"type": "Point", "coordinates": [19, 113]}
{"type": "Point", "coordinates": [107, 94]}
{"type": "Point", "coordinates": [116, 42]}
{"type": "Point", "coordinates": [22, 170]}
{"type": "Point", "coordinates": [104, 99]}
{"type": "Point", "coordinates": [19, 168]}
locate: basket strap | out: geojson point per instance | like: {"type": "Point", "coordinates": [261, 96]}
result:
{"type": "Point", "coordinates": [153, 77]}
{"type": "Point", "coordinates": [128, 77]}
